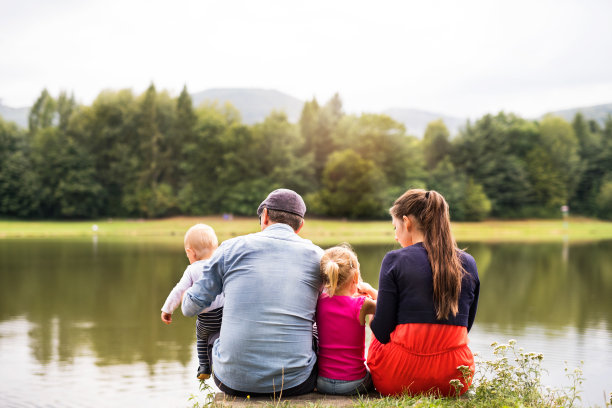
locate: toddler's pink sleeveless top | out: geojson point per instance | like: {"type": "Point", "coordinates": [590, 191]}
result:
{"type": "Point", "coordinates": [341, 337]}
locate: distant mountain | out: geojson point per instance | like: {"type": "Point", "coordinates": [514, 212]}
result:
{"type": "Point", "coordinates": [416, 121]}
{"type": "Point", "coordinates": [253, 104]}
{"type": "Point", "coordinates": [598, 112]}
{"type": "Point", "coordinates": [17, 115]}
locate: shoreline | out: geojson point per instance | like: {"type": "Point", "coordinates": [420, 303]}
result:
{"type": "Point", "coordinates": [321, 231]}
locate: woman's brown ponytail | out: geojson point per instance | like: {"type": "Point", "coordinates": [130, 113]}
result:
{"type": "Point", "coordinates": [431, 212]}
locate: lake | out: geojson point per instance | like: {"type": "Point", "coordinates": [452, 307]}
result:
{"type": "Point", "coordinates": [80, 319]}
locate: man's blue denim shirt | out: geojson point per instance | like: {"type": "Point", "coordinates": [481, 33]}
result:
{"type": "Point", "coordinates": [271, 282]}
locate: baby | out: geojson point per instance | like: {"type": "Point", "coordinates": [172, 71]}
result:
{"type": "Point", "coordinates": [200, 243]}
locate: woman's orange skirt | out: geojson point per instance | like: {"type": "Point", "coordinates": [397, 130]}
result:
{"type": "Point", "coordinates": [421, 358]}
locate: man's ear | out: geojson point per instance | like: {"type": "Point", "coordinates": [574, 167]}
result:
{"type": "Point", "coordinates": [265, 218]}
{"type": "Point", "coordinates": [300, 227]}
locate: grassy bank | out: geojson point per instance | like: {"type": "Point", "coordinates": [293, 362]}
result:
{"type": "Point", "coordinates": [323, 232]}
{"type": "Point", "coordinates": [511, 378]}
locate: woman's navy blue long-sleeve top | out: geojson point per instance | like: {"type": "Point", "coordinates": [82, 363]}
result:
{"type": "Point", "coordinates": [405, 292]}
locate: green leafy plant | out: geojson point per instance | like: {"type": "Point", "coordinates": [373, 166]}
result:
{"type": "Point", "coordinates": [207, 392]}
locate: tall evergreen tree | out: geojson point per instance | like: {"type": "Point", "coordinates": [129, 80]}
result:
{"type": "Point", "coordinates": [42, 112]}
{"type": "Point", "coordinates": [591, 172]}
{"type": "Point", "coordinates": [436, 143]}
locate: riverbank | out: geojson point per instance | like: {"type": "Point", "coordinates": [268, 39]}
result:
{"type": "Point", "coordinates": [322, 231]}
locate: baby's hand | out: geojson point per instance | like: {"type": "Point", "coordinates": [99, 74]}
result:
{"type": "Point", "coordinates": [365, 288]}
{"type": "Point", "coordinates": [166, 317]}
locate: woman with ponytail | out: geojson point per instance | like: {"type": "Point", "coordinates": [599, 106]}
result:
{"type": "Point", "coordinates": [427, 299]}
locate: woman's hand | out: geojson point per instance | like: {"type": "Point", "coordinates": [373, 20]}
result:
{"type": "Point", "coordinates": [365, 288]}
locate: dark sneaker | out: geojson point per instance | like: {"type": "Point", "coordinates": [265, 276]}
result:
{"type": "Point", "coordinates": [203, 372]}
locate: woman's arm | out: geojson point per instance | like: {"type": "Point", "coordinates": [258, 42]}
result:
{"type": "Point", "coordinates": [364, 288]}
{"type": "Point", "coordinates": [470, 266]}
{"type": "Point", "coordinates": [474, 305]}
{"type": "Point", "coordinates": [385, 318]}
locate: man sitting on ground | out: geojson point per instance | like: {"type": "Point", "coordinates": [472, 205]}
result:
{"type": "Point", "coordinates": [271, 282]}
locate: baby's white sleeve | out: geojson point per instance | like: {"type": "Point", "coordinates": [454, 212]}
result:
{"type": "Point", "coordinates": [174, 298]}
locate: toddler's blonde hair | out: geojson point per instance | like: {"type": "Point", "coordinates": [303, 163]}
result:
{"type": "Point", "coordinates": [201, 238]}
{"type": "Point", "coordinates": [338, 265]}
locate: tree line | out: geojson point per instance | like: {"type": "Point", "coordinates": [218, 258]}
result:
{"type": "Point", "coordinates": [153, 155]}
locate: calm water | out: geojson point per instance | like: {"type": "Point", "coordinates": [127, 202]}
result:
{"type": "Point", "coordinates": [79, 320]}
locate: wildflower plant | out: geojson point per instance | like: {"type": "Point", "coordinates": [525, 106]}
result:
{"type": "Point", "coordinates": [509, 376]}
{"type": "Point", "coordinates": [207, 392]}
{"type": "Point", "coordinates": [513, 377]}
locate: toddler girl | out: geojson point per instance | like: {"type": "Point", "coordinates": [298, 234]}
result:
{"type": "Point", "coordinates": [341, 316]}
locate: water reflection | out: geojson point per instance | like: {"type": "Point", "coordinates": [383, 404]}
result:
{"type": "Point", "coordinates": [104, 301]}
{"type": "Point", "coordinates": [551, 285]}
{"type": "Point", "coordinates": [84, 315]}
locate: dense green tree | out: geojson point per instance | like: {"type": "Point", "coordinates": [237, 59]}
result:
{"type": "Point", "coordinates": [107, 129]}
{"type": "Point", "coordinates": [42, 113]}
{"type": "Point", "coordinates": [604, 199]}
{"type": "Point", "coordinates": [68, 187]}
{"type": "Point", "coordinates": [589, 139]}
{"type": "Point", "coordinates": [66, 106]}
{"type": "Point", "coordinates": [591, 171]}
{"type": "Point", "coordinates": [65, 172]}
{"type": "Point", "coordinates": [353, 187]}
{"type": "Point", "coordinates": [277, 146]}
{"type": "Point", "coordinates": [260, 159]}
{"type": "Point", "coordinates": [182, 133]}
{"type": "Point", "coordinates": [436, 143]}
{"type": "Point", "coordinates": [493, 152]}
{"type": "Point", "coordinates": [558, 138]}
{"type": "Point", "coordinates": [549, 190]}
{"type": "Point", "coordinates": [605, 159]}
{"type": "Point", "coordinates": [476, 204]}
{"type": "Point", "coordinates": [153, 155]}
{"type": "Point", "coordinates": [309, 124]}
{"type": "Point", "coordinates": [154, 119]}
{"type": "Point", "coordinates": [208, 160]}
{"type": "Point", "coordinates": [466, 199]}
{"type": "Point", "coordinates": [19, 186]}
{"type": "Point", "coordinates": [317, 125]}
{"type": "Point", "coordinates": [380, 139]}
{"type": "Point", "coordinates": [19, 182]}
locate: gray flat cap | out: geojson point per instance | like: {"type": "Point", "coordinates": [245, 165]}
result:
{"type": "Point", "coordinates": [283, 200]}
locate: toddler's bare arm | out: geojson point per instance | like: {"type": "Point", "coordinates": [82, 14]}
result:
{"type": "Point", "coordinates": [368, 308]}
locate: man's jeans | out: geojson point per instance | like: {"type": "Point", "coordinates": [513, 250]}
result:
{"type": "Point", "coordinates": [304, 388]}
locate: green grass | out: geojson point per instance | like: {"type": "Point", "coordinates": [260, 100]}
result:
{"type": "Point", "coordinates": [322, 232]}
{"type": "Point", "coordinates": [510, 378]}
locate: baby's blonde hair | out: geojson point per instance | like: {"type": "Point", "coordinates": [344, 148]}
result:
{"type": "Point", "coordinates": [338, 266]}
{"type": "Point", "coordinates": [201, 238]}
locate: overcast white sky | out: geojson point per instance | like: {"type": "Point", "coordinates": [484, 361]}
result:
{"type": "Point", "coordinates": [457, 57]}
